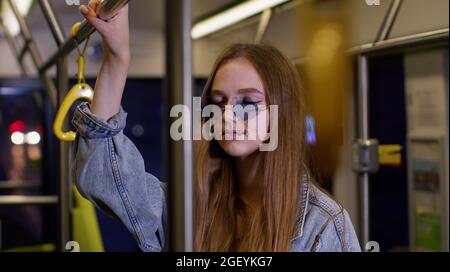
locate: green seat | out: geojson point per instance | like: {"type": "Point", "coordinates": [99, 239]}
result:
{"type": "Point", "coordinates": [85, 227]}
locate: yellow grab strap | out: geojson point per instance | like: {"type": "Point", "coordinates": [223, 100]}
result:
{"type": "Point", "coordinates": [81, 91]}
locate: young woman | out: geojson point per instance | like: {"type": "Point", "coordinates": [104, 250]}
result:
{"type": "Point", "coordinates": [247, 199]}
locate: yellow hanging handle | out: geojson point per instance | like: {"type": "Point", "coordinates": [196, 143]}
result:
{"type": "Point", "coordinates": [81, 91]}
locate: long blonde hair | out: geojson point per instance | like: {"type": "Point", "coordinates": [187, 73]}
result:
{"type": "Point", "coordinates": [217, 198]}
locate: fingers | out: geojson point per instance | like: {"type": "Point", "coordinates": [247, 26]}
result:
{"type": "Point", "coordinates": [91, 16]}
{"type": "Point", "coordinates": [94, 4]}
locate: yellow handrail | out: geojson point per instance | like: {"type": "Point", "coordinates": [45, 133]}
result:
{"type": "Point", "coordinates": [81, 91]}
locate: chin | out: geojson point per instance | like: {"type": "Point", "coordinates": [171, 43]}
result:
{"type": "Point", "coordinates": [239, 148]}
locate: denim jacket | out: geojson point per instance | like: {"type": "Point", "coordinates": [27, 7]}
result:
{"type": "Point", "coordinates": [109, 171]}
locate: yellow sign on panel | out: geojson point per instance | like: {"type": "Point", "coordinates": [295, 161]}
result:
{"type": "Point", "coordinates": [390, 154]}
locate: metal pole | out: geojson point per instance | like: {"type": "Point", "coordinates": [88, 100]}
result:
{"type": "Point", "coordinates": [179, 91]}
{"type": "Point", "coordinates": [363, 125]}
{"type": "Point", "coordinates": [389, 21]}
{"type": "Point", "coordinates": [17, 200]}
{"type": "Point", "coordinates": [63, 174]}
{"type": "Point", "coordinates": [14, 185]}
{"type": "Point", "coordinates": [35, 56]}
{"type": "Point", "coordinates": [108, 8]}
{"type": "Point", "coordinates": [14, 47]}
{"type": "Point", "coordinates": [397, 45]}
{"type": "Point", "coordinates": [53, 22]}
{"type": "Point", "coordinates": [263, 25]}
{"type": "Point", "coordinates": [65, 186]}
{"type": "Point", "coordinates": [401, 44]}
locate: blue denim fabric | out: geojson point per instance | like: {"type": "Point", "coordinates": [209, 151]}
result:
{"type": "Point", "coordinates": [109, 171]}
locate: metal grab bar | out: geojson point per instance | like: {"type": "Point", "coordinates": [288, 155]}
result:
{"type": "Point", "coordinates": [107, 10]}
{"type": "Point", "coordinates": [32, 48]}
{"type": "Point", "coordinates": [12, 185]}
{"type": "Point", "coordinates": [54, 23]}
{"type": "Point", "coordinates": [28, 200]}
{"type": "Point", "coordinates": [415, 40]}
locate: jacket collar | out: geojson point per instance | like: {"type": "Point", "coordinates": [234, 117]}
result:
{"type": "Point", "coordinates": [303, 205]}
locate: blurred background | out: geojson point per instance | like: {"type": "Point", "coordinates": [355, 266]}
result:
{"type": "Point", "coordinates": [376, 79]}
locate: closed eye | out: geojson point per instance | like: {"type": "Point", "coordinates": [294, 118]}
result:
{"type": "Point", "coordinates": [249, 102]}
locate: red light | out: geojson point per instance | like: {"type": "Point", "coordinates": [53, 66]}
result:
{"type": "Point", "coordinates": [17, 126]}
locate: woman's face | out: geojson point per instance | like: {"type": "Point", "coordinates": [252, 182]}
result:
{"type": "Point", "coordinates": [238, 83]}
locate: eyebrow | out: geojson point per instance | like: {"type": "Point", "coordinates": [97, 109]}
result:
{"type": "Point", "coordinates": [240, 91]}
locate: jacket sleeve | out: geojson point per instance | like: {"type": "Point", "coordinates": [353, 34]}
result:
{"type": "Point", "coordinates": [109, 171]}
